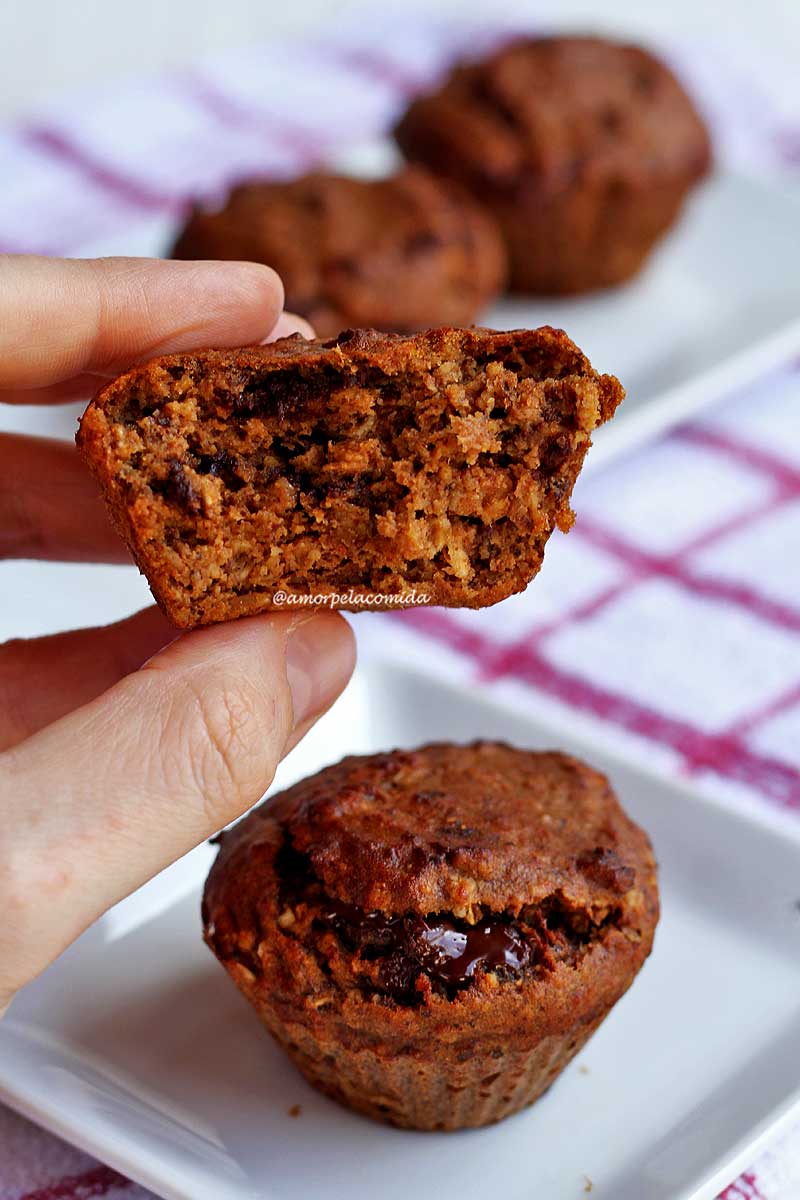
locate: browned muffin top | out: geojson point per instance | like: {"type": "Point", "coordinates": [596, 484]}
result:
{"type": "Point", "coordinates": [461, 829]}
{"type": "Point", "coordinates": [552, 111]}
{"type": "Point", "coordinates": [484, 883]}
{"type": "Point", "coordinates": [400, 253]}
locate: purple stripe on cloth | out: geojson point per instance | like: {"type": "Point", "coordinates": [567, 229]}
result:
{"type": "Point", "coordinates": [132, 193]}
{"type": "Point", "coordinates": [752, 720]}
{"type": "Point", "coordinates": [379, 66]}
{"type": "Point", "coordinates": [784, 474]}
{"type": "Point", "coordinates": [98, 1181]}
{"type": "Point", "coordinates": [724, 754]}
{"type": "Point", "coordinates": [299, 139]}
{"type": "Point", "coordinates": [787, 145]}
{"type": "Point", "coordinates": [674, 567]}
{"type": "Point", "coordinates": [745, 1188]}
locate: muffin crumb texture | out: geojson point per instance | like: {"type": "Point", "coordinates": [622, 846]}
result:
{"type": "Point", "coordinates": [432, 935]}
{"type": "Point", "coordinates": [371, 463]}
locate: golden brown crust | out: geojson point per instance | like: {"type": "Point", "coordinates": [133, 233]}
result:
{"type": "Point", "coordinates": [359, 469]}
{"type": "Point", "coordinates": [583, 150]}
{"type": "Point", "coordinates": [493, 827]}
{"type": "Point", "coordinates": [403, 253]}
{"type": "Point", "coordinates": [485, 833]}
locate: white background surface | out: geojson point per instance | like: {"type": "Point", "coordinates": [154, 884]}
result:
{"type": "Point", "coordinates": [46, 45]}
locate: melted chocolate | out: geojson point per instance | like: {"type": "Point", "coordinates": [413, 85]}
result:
{"type": "Point", "coordinates": [446, 950]}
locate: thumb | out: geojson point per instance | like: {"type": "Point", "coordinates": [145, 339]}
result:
{"type": "Point", "coordinates": [97, 803]}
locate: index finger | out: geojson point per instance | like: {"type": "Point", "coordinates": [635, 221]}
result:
{"type": "Point", "coordinates": [61, 319]}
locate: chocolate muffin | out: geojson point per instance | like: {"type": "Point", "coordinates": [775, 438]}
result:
{"type": "Point", "coordinates": [583, 150]}
{"type": "Point", "coordinates": [433, 934]}
{"type": "Point", "coordinates": [369, 471]}
{"type": "Point", "coordinates": [398, 254]}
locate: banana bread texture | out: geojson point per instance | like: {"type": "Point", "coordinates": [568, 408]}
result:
{"type": "Point", "coordinates": [436, 464]}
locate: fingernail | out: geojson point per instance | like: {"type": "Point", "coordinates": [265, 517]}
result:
{"type": "Point", "coordinates": [287, 324]}
{"type": "Point", "coordinates": [320, 655]}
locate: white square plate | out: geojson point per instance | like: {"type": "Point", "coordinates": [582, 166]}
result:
{"type": "Point", "coordinates": [716, 307]}
{"type": "Point", "coordinates": [136, 1047]}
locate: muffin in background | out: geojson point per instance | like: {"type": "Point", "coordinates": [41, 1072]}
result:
{"type": "Point", "coordinates": [583, 149]}
{"type": "Point", "coordinates": [399, 254]}
{"type": "Point", "coordinates": [433, 934]}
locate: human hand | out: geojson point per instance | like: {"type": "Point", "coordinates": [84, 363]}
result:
{"type": "Point", "coordinates": [123, 747]}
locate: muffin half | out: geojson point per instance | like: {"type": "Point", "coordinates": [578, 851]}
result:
{"type": "Point", "coordinates": [361, 472]}
{"type": "Point", "coordinates": [432, 935]}
{"type": "Point", "coordinates": [582, 149]}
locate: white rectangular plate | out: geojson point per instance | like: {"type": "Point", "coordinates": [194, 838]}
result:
{"type": "Point", "coordinates": [136, 1047]}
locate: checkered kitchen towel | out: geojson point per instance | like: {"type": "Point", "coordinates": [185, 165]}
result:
{"type": "Point", "coordinates": [670, 616]}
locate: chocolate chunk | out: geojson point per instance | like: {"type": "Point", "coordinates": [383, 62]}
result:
{"type": "Point", "coordinates": [453, 952]}
{"type": "Point", "coordinates": [224, 466]}
{"type": "Point", "coordinates": [443, 948]}
{"type": "Point", "coordinates": [553, 454]}
{"type": "Point", "coordinates": [178, 488]}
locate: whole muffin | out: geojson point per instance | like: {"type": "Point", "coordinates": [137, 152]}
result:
{"type": "Point", "coordinates": [397, 254]}
{"type": "Point", "coordinates": [583, 149]}
{"type": "Point", "coordinates": [433, 934]}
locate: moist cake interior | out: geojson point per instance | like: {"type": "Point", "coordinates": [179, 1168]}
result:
{"type": "Point", "coordinates": [447, 476]}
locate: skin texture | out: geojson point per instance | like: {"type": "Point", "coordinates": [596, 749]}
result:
{"type": "Point", "coordinates": [199, 722]}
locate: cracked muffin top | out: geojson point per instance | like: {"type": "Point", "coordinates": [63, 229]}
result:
{"type": "Point", "coordinates": [463, 829]}
{"type": "Point", "coordinates": [418, 876]}
{"type": "Point", "coordinates": [547, 113]}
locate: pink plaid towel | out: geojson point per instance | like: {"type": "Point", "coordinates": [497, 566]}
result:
{"type": "Point", "coordinates": [671, 614]}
